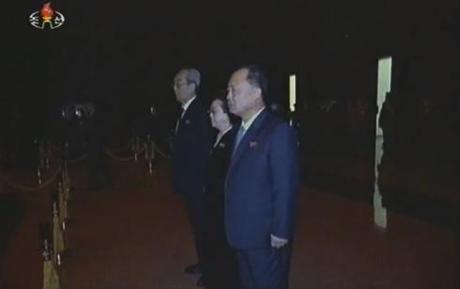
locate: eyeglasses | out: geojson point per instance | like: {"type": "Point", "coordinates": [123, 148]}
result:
{"type": "Point", "coordinates": [177, 85]}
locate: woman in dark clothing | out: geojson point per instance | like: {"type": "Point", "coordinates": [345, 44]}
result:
{"type": "Point", "coordinates": [221, 263]}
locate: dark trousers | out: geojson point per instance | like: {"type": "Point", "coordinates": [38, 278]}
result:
{"type": "Point", "coordinates": [220, 264]}
{"type": "Point", "coordinates": [194, 204]}
{"type": "Point", "coordinates": [266, 268]}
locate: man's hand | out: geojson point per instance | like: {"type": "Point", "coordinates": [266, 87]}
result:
{"type": "Point", "coordinates": [277, 242]}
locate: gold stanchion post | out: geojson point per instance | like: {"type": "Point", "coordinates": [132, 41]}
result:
{"type": "Point", "coordinates": [50, 273]}
{"type": "Point", "coordinates": [39, 176]}
{"type": "Point", "coordinates": [58, 237]}
{"type": "Point", "coordinates": [62, 209]}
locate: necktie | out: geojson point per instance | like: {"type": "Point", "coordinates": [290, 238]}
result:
{"type": "Point", "coordinates": [239, 137]}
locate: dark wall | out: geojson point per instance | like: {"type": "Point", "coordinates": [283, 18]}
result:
{"type": "Point", "coordinates": [123, 54]}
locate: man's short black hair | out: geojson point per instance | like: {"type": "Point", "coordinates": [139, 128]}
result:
{"type": "Point", "coordinates": [257, 77]}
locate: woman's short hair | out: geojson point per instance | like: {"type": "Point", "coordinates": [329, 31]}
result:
{"type": "Point", "coordinates": [222, 97]}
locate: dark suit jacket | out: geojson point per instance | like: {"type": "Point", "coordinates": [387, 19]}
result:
{"type": "Point", "coordinates": [220, 263]}
{"type": "Point", "coordinates": [218, 162]}
{"type": "Point", "coordinates": [262, 184]}
{"type": "Point", "coordinates": [191, 147]}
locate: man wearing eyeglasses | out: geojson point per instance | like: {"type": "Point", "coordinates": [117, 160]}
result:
{"type": "Point", "coordinates": [191, 145]}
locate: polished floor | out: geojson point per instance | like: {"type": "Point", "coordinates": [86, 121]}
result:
{"type": "Point", "coordinates": [135, 235]}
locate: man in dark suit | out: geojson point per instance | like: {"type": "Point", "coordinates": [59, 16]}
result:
{"type": "Point", "coordinates": [192, 143]}
{"type": "Point", "coordinates": [261, 185]}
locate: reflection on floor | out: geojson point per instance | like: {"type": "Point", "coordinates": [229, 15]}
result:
{"type": "Point", "coordinates": [135, 235]}
{"type": "Point", "coordinates": [427, 188]}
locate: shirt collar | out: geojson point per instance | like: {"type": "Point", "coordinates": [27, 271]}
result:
{"type": "Point", "coordinates": [187, 104]}
{"type": "Point", "coordinates": [247, 124]}
{"type": "Point", "coordinates": [227, 130]}
{"type": "Point", "coordinates": [220, 136]}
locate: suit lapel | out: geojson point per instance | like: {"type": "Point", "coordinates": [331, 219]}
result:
{"type": "Point", "coordinates": [221, 144]}
{"type": "Point", "coordinates": [188, 114]}
{"type": "Point", "coordinates": [248, 137]}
